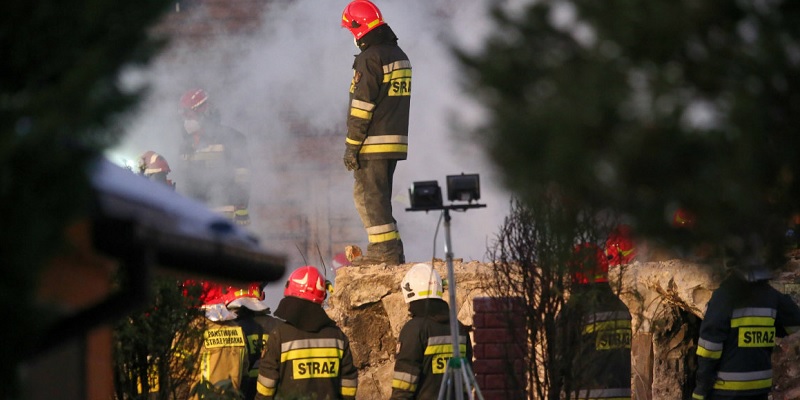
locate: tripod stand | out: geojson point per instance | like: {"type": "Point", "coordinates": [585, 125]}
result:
{"type": "Point", "coordinates": [458, 373]}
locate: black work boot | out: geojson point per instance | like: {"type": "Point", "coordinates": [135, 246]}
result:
{"type": "Point", "coordinates": [390, 252]}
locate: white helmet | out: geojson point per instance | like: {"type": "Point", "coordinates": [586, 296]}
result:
{"type": "Point", "coordinates": [421, 282]}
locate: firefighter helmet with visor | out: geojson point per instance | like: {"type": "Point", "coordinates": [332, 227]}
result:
{"type": "Point", "coordinates": [307, 283]}
{"type": "Point", "coordinates": [421, 282]}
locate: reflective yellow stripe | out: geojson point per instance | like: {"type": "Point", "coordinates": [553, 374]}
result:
{"type": "Point", "coordinates": [743, 385]}
{"type": "Point", "coordinates": [360, 113]}
{"type": "Point", "coordinates": [385, 148]}
{"type": "Point", "coordinates": [703, 352]}
{"type": "Point", "coordinates": [606, 325]}
{"type": "Point", "coordinates": [698, 397]}
{"type": "Point", "coordinates": [348, 391]}
{"type": "Point", "coordinates": [351, 141]}
{"type": "Point", "coordinates": [397, 74]}
{"type": "Point", "coordinates": [309, 353]}
{"type": "Point", "coordinates": [752, 321]}
{"type": "Point", "coordinates": [403, 385]}
{"type": "Point", "coordinates": [444, 349]}
{"type": "Point", "coordinates": [384, 237]}
{"type": "Point", "coordinates": [265, 391]}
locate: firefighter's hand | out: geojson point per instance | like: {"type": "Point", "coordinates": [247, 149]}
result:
{"type": "Point", "coordinates": [241, 216]}
{"type": "Point", "coordinates": [351, 157]}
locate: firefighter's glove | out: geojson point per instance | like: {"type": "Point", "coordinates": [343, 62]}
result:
{"type": "Point", "coordinates": [241, 216]}
{"type": "Point", "coordinates": [351, 157]}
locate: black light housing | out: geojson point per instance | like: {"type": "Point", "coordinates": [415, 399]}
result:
{"type": "Point", "coordinates": [464, 187]}
{"type": "Point", "coordinates": [425, 195]}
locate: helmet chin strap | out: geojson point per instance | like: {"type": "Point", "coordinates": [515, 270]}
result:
{"type": "Point", "coordinates": [355, 42]}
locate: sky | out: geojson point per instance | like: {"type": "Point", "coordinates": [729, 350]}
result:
{"type": "Point", "coordinates": [298, 64]}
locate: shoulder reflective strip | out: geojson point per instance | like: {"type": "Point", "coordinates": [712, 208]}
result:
{"type": "Point", "coordinates": [401, 64]}
{"type": "Point", "coordinates": [752, 321]}
{"type": "Point", "coordinates": [792, 329]}
{"type": "Point", "coordinates": [709, 345]}
{"type": "Point", "coordinates": [385, 148]}
{"type": "Point", "coordinates": [754, 312]}
{"type": "Point", "coordinates": [745, 376]}
{"type": "Point", "coordinates": [382, 139]}
{"type": "Point", "coordinates": [614, 393]}
{"type": "Point", "coordinates": [360, 113]}
{"type": "Point", "coordinates": [382, 228]}
{"type": "Point", "coordinates": [311, 353]}
{"type": "Point", "coordinates": [348, 391]}
{"type": "Point", "coordinates": [606, 326]}
{"type": "Point", "coordinates": [351, 141]}
{"type": "Point", "coordinates": [266, 382]}
{"type": "Point", "coordinates": [445, 339]}
{"type": "Point", "coordinates": [311, 343]}
{"type": "Point", "coordinates": [384, 237]}
{"type": "Point", "coordinates": [362, 105]}
{"type": "Point", "coordinates": [608, 315]}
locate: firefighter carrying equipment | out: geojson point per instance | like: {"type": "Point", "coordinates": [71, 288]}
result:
{"type": "Point", "coordinates": [421, 282]}
{"type": "Point", "coordinates": [737, 336]}
{"type": "Point", "coordinates": [424, 349]}
{"type": "Point", "coordinates": [360, 17]}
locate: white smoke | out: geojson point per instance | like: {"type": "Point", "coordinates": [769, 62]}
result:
{"type": "Point", "coordinates": [297, 67]}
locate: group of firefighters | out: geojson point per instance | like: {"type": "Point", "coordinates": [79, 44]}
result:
{"type": "Point", "coordinates": [299, 352]}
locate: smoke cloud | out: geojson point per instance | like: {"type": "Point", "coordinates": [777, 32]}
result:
{"type": "Point", "coordinates": [296, 69]}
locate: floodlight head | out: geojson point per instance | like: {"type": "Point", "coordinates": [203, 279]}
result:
{"type": "Point", "coordinates": [425, 195]}
{"type": "Point", "coordinates": [464, 187]}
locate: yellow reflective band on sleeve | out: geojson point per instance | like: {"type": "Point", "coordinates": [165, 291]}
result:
{"type": "Point", "coordinates": [385, 148]}
{"type": "Point", "coordinates": [756, 337]}
{"type": "Point", "coordinates": [265, 391]}
{"type": "Point", "coordinates": [697, 396]}
{"type": "Point", "coordinates": [384, 237]}
{"type": "Point", "coordinates": [353, 142]}
{"type": "Point", "coordinates": [348, 391]}
{"type": "Point", "coordinates": [752, 321]}
{"type": "Point", "coordinates": [321, 352]}
{"type": "Point", "coordinates": [403, 385]}
{"type": "Point", "coordinates": [361, 114]}
{"type": "Point", "coordinates": [606, 326]}
{"type": "Point", "coordinates": [743, 385]}
{"type": "Point", "coordinates": [703, 352]}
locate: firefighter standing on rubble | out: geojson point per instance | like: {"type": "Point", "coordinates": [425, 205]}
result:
{"type": "Point", "coordinates": [737, 335]}
{"type": "Point", "coordinates": [216, 164]}
{"type": "Point", "coordinates": [307, 355]}
{"type": "Point", "coordinates": [377, 127]}
{"type": "Point", "coordinates": [595, 328]}
{"type": "Point", "coordinates": [425, 344]}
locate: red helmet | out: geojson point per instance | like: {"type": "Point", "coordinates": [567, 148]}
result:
{"type": "Point", "coordinates": [682, 219]}
{"type": "Point", "coordinates": [360, 17]}
{"type": "Point", "coordinates": [152, 163]}
{"type": "Point", "coordinates": [194, 103]}
{"type": "Point", "coordinates": [306, 283]}
{"type": "Point", "coordinates": [619, 246]}
{"type": "Point", "coordinates": [251, 297]}
{"type": "Point", "coordinates": [589, 264]}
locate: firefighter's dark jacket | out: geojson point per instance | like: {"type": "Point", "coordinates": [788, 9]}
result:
{"type": "Point", "coordinates": [737, 336]}
{"type": "Point", "coordinates": [424, 348]}
{"type": "Point", "coordinates": [256, 326]}
{"type": "Point", "coordinates": [307, 356]}
{"type": "Point", "coordinates": [380, 97]}
{"type": "Point", "coordinates": [216, 157]}
{"type": "Point", "coordinates": [595, 344]}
